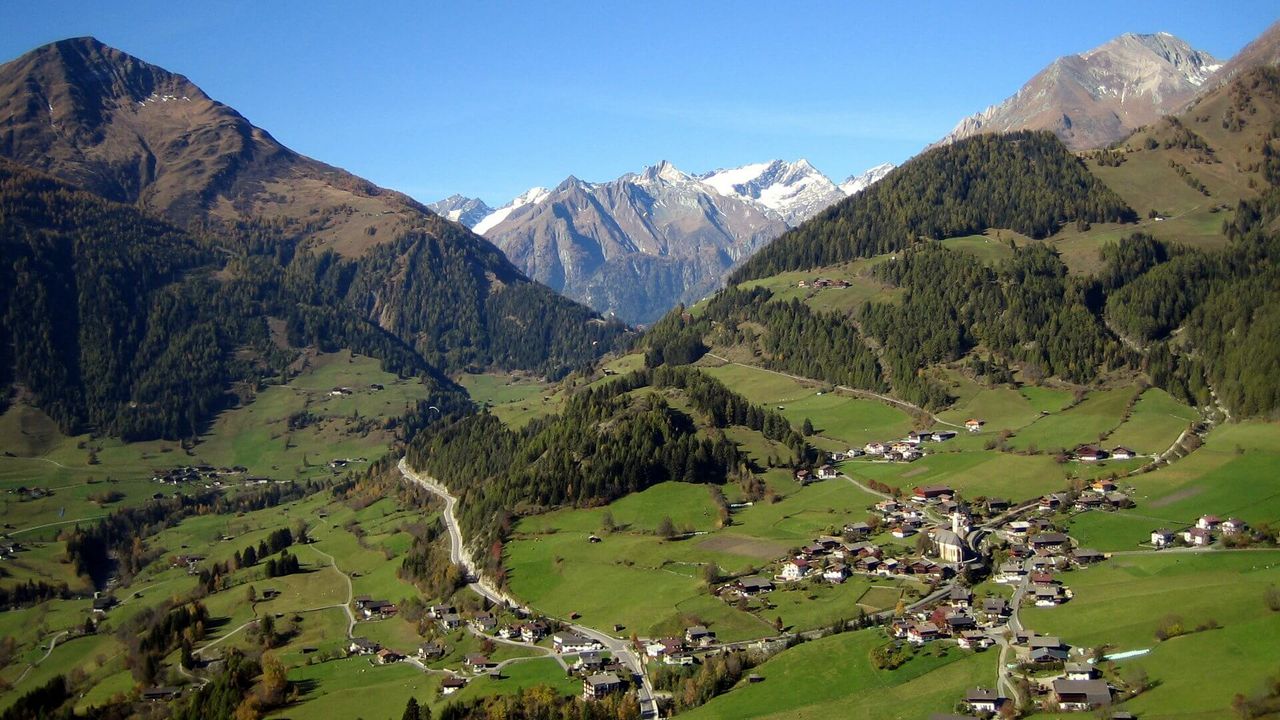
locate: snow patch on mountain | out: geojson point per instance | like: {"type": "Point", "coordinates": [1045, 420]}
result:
{"type": "Point", "coordinates": [855, 184]}
{"type": "Point", "coordinates": [532, 196]}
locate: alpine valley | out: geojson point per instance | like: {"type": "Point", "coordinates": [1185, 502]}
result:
{"type": "Point", "coordinates": [992, 433]}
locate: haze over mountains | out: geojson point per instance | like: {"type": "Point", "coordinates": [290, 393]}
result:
{"type": "Point", "coordinates": [638, 245]}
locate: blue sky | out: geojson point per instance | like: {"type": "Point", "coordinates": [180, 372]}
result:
{"type": "Point", "coordinates": [488, 99]}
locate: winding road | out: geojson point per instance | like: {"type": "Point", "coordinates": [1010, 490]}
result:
{"type": "Point", "coordinates": [460, 554]}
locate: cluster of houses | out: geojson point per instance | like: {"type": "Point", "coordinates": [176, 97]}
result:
{"type": "Point", "coordinates": [1093, 453]}
{"type": "Point", "coordinates": [373, 609]}
{"type": "Point", "coordinates": [196, 474]}
{"type": "Point", "coordinates": [823, 283]}
{"type": "Point", "coordinates": [1078, 689]}
{"type": "Point", "coordinates": [1207, 529]}
{"type": "Point", "coordinates": [379, 654]}
{"type": "Point", "coordinates": [33, 493]}
{"type": "Point", "coordinates": [804, 476]}
{"type": "Point", "coordinates": [9, 549]}
{"type": "Point", "coordinates": [956, 618]}
{"type": "Point", "coordinates": [679, 650]}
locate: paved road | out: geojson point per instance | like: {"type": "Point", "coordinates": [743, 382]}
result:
{"type": "Point", "coordinates": [1004, 680]}
{"type": "Point", "coordinates": [351, 617]}
{"type": "Point", "coordinates": [53, 643]}
{"type": "Point", "coordinates": [461, 555]}
{"type": "Point", "coordinates": [60, 522]}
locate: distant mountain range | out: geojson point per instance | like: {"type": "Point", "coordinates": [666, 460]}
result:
{"type": "Point", "coordinates": [638, 245]}
{"type": "Point", "coordinates": [1100, 96]}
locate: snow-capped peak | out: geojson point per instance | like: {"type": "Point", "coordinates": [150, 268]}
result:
{"type": "Point", "coordinates": [532, 196]}
{"type": "Point", "coordinates": [664, 171]}
{"type": "Point", "coordinates": [855, 184]}
{"type": "Point", "coordinates": [791, 191]}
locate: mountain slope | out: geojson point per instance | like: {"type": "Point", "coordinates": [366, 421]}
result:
{"type": "Point", "coordinates": [1100, 96]}
{"type": "Point", "coordinates": [792, 192]}
{"type": "Point", "coordinates": [634, 246]}
{"type": "Point", "coordinates": [1263, 51]}
{"type": "Point", "coordinates": [137, 133]}
{"type": "Point", "coordinates": [855, 184]}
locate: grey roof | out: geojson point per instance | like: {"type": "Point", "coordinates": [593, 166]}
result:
{"type": "Point", "coordinates": [608, 678]}
{"type": "Point", "coordinates": [1095, 692]}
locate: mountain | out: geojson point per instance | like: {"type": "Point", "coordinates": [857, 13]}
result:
{"type": "Point", "coordinates": [463, 210]}
{"type": "Point", "coordinates": [634, 246]}
{"type": "Point", "coordinates": [791, 192]}
{"type": "Point", "coordinates": [855, 184]}
{"type": "Point", "coordinates": [136, 133]}
{"type": "Point", "coordinates": [532, 196]}
{"type": "Point", "coordinates": [182, 252]}
{"type": "Point", "coordinates": [1100, 96]}
{"type": "Point", "coordinates": [1263, 51]}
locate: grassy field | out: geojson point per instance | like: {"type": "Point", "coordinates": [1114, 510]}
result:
{"type": "Point", "coordinates": [990, 247]}
{"type": "Point", "coordinates": [513, 397]}
{"type": "Point", "coordinates": [863, 287]}
{"type": "Point", "coordinates": [1096, 416]}
{"type": "Point", "coordinates": [1120, 602]}
{"type": "Point", "coordinates": [972, 473]}
{"type": "Point", "coordinates": [834, 677]}
{"type": "Point", "coordinates": [1156, 422]}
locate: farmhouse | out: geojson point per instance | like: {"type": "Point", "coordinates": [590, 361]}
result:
{"type": "Point", "coordinates": [430, 651]}
{"type": "Point", "coordinates": [982, 700]}
{"type": "Point", "coordinates": [1080, 671]}
{"type": "Point", "coordinates": [597, 686]}
{"type": "Point", "coordinates": [362, 646]}
{"type": "Point", "coordinates": [874, 448]}
{"type": "Point", "coordinates": [973, 425]}
{"type": "Point", "coordinates": [1090, 453]}
{"type": "Point", "coordinates": [942, 435]}
{"type": "Point", "coordinates": [836, 573]}
{"type": "Point", "coordinates": [1122, 453]}
{"type": "Point", "coordinates": [826, 472]}
{"type": "Point", "coordinates": [1234, 526]}
{"type": "Point", "coordinates": [1199, 537]}
{"type": "Point", "coordinates": [451, 685]}
{"type": "Point", "coordinates": [921, 633]}
{"type": "Point", "coordinates": [379, 608]}
{"type": "Point", "coordinates": [931, 492]}
{"type": "Point", "coordinates": [567, 642]}
{"type": "Point", "coordinates": [699, 635]}
{"type": "Point", "coordinates": [754, 585]}
{"type": "Point", "coordinates": [1081, 694]}
{"type": "Point", "coordinates": [996, 607]}
{"type": "Point", "coordinates": [479, 663]}
{"type": "Point", "coordinates": [1162, 538]}
{"type": "Point", "coordinates": [1048, 540]}
{"type": "Point", "coordinates": [1208, 522]}
{"type": "Point", "coordinates": [804, 477]}
{"type": "Point", "coordinates": [387, 656]}
{"type": "Point", "coordinates": [795, 569]}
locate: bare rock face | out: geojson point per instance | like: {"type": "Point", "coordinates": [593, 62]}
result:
{"type": "Point", "coordinates": [1100, 96]}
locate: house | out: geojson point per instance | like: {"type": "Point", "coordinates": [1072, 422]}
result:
{"type": "Point", "coordinates": [997, 505]}
{"type": "Point", "coordinates": [435, 612]}
{"type": "Point", "coordinates": [430, 651]}
{"type": "Point", "coordinates": [836, 573]}
{"type": "Point", "coordinates": [914, 438]}
{"type": "Point", "coordinates": [996, 607]}
{"type": "Point", "coordinates": [387, 656]}
{"type": "Point", "coordinates": [826, 472]}
{"type": "Point", "coordinates": [1090, 453]}
{"type": "Point", "coordinates": [982, 700]}
{"type": "Point", "coordinates": [597, 686]}
{"type": "Point", "coordinates": [974, 640]}
{"type": "Point", "coordinates": [451, 685]}
{"type": "Point", "coordinates": [931, 492]}
{"type": "Point", "coordinates": [450, 621]}
{"type": "Point", "coordinates": [378, 608]}
{"type": "Point", "coordinates": [854, 452]}
{"type": "Point", "coordinates": [1010, 571]}
{"type": "Point", "coordinates": [1048, 595]}
{"type": "Point", "coordinates": [903, 447]}
{"type": "Point", "coordinates": [960, 597]}
{"type": "Point", "coordinates": [665, 648]}
{"type": "Point", "coordinates": [1162, 538]}
{"type": "Point", "coordinates": [922, 633]}
{"type": "Point", "coordinates": [533, 631]}
{"type": "Point", "coordinates": [957, 624]}
{"type": "Point", "coordinates": [699, 635]}
{"type": "Point", "coordinates": [1081, 694]}
{"type": "Point", "coordinates": [102, 604]}
{"type": "Point", "coordinates": [1103, 486]}
{"type": "Point", "coordinates": [1208, 522]}
{"type": "Point", "coordinates": [858, 529]}
{"type": "Point", "coordinates": [362, 646]}
{"type": "Point", "coordinates": [1199, 537]}
{"type": "Point", "coordinates": [590, 662]}
{"type": "Point", "coordinates": [754, 585]}
{"type": "Point", "coordinates": [162, 693]}
{"type": "Point", "coordinates": [479, 663]}
{"type": "Point", "coordinates": [1045, 656]}
{"type": "Point", "coordinates": [942, 435]}
{"type": "Point", "coordinates": [1048, 540]}
{"type": "Point", "coordinates": [1080, 671]}
{"type": "Point", "coordinates": [1122, 453]}
{"type": "Point", "coordinates": [1234, 526]}
{"type": "Point", "coordinates": [795, 569]}
{"type": "Point", "coordinates": [804, 477]}
{"type": "Point", "coordinates": [874, 448]}
{"type": "Point", "coordinates": [1118, 500]}
{"type": "Point", "coordinates": [903, 531]}
{"type": "Point", "coordinates": [484, 622]}
{"type": "Point", "coordinates": [973, 425]}
{"type": "Point", "coordinates": [1084, 556]}
{"type": "Point", "coordinates": [567, 642]}
{"type": "Point", "coordinates": [868, 564]}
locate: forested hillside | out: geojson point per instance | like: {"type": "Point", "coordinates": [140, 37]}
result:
{"type": "Point", "coordinates": [1024, 181]}
{"type": "Point", "coordinates": [128, 326]}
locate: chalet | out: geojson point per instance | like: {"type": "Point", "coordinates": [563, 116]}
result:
{"type": "Point", "coordinates": [1198, 537]}
{"type": "Point", "coordinates": [942, 435]}
{"type": "Point", "coordinates": [836, 573]}
{"type": "Point", "coordinates": [973, 425]}
{"type": "Point", "coordinates": [1162, 538]}
{"type": "Point", "coordinates": [1046, 656]}
{"type": "Point", "coordinates": [699, 635]}
{"type": "Point", "coordinates": [974, 640]}
{"type": "Point", "coordinates": [1081, 694]}
{"type": "Point", "coordinates": [479, 663]}
{"type": "Point", "coordinates": [600, 685]}
{"type": "Point", "coordinates": [1048, 540]}
{"type": "Point", "coordinates": [874, 448]}
{"type": "Point", "coordinates": [858, 529]}
{"type": "Point", "coordinates": [483, 622]}
{"type": "Point", "coordinates": [665, 648]}
{"type": "Point", "coordinates": [826, 472]}
{"type": "Point", "coordinates": [451, 685]}
{"type": "Point", "coordinates": [533, 631]}
{"type": "Point", "coordinates": [450, 621]}
{"type": "Point", "coordinates": [903, 531]}
{"type": "Point", "coordinates": [435, 612]}
{"type": "Point", "coordinates": [1017, 528]}
{"type": "Point", "coordinates": [567, 642]}
{"type": "Point", "coordinates": [1048, 595]}
{"type": "Point", "coordinates": [1208, 522]}
{"type": "Point", "coordinates": [379, 608]}
{"type": "Point", "coordinates": [1103, 486]}
{"type": "Point", "coordinates": [854, 452]}
{"type": "Point", "coordinates": [430, 651]}
{"type": "Point", "coordinates": [754, 585]}
{"type": "Point", "coordinates": [1234, 526]}
{"type": "Point", "coordinates": [958, 624]}
{"type": "Point", "coordinates": [590, 661]}
{"type": "Point", "coordinates": [1118, 500]}
{"type": "Point", "coordinates": [903, 447]}
{"type": "Point", "coordinates": [1122, 453]}
{"type": "Point", "coordinates": [921, 633]}
{"type": "Point", "coordinates": [163, 693]}
{"type": "Point", "coordinates": [960, 597]}
{"type": "Point", "coordinates": [996, 607]}
{"type": "Point", "coordinates": [1090, 453]}
{"type": "Point", "coordinates": [795, 569]}
{"type": "Point", "coordinates": [931, 492]}
{"type": "Point", "coordinates": [102, 604]}
{"type": "Point", "coordinates": [1010, 571]}
{"type": "Point", "coordinates": [804, 477]}
{"type": "Point", "coordinates": [387, 656]}
{"type": "Point", "coordinates": [362, 646]}
{"type": "Point", "coordinates": [1080, 671]}
{"type": "Point", "coordinates": [1089, 501]}
{"type": "Point", "coordinates": [1084, 556]}
{"type": "Point", "coordinates": [982, 700]}
{"type": "Point", "coordinates": [997, 505]}
{"type": "Point", "coordinates": [868, 564]}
